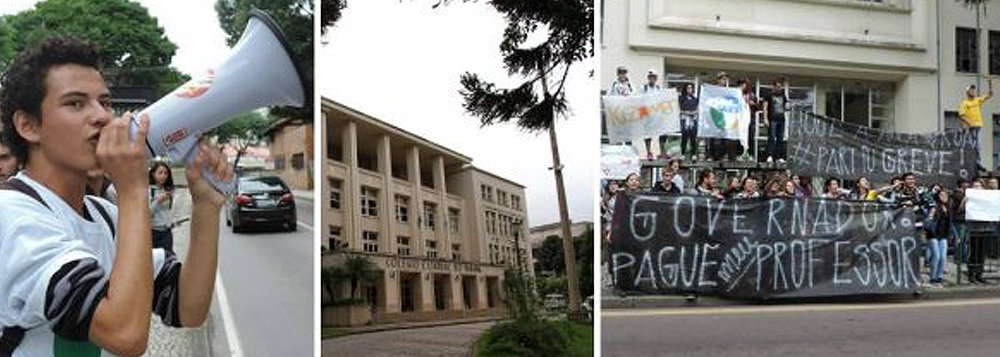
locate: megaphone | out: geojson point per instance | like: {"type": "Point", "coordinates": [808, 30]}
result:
{"type": "Point", "coordinates": [258, 73]}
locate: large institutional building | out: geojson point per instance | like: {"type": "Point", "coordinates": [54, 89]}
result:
{"type": "Point", "coordinates": [892, 64]}
{"type": "Point", "coordinates": [439, 230]}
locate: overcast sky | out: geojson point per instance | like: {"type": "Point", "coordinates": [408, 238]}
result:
{"type": "Point", "coordinates": [400, 62]}
{"type": "Point", "coordinates": [192, 25]}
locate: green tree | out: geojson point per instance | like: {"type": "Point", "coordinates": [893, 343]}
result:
{"type": "Point", "coordinates": [136, 50]}
{"type": "Point", "coordinates": [566, 31]}
{"type": "Point", "coordinates": [295, 17]}
{"type": "Point", "coordinates": [243, 131]}
{"type": "Point", "coordinates": [550, 255]}
{"type": "Point", "coordinates": [329, 13]}
{"type": "Point", "coordinates": [361, 272]}
{"type": "Point", "coordinates": [330, 278]}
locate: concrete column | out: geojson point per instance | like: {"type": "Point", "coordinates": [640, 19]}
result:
{"type": "Point", "coordinates": [390, 299]}
{"type": "Point", "coordinates": [324, 182]}
{"type": "Point", "coordinates": [444, 249]}
{"type": "Point", "coordinates": [388, 199]}
{"type": "Point", "coordinates": [455, 302]}
{"type": "Point", "coordinates": [351, 202]}
{"type": "Point", "coordinates": [416, 203]}
{"type": "Point", "coordinates": [481, 292]}
{"type": "Point", "coordinates": [426, 287]}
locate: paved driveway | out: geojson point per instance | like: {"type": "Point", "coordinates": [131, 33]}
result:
{"type": "Point", "coordinates": [451, 340]}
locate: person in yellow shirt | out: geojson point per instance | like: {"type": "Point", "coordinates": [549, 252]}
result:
{"type": "Point", "coordinates": [971, 116]}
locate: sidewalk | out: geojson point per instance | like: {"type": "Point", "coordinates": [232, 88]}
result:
{"type": "Point", "coordinates": [306, 195]}
{"type": "Point", "coordinates": [949, 290]}
{"type": "Point", "coordinates": [178, 342]}
{"type": "Point", "coordinates": [411, 325]}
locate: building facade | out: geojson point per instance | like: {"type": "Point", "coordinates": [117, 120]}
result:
{"type": "Point", "coordinates": [292, 153]}
{"type": "Point", "coordinates": [892, 64]}
{"type": "Point", "coordinates": [439, 231]}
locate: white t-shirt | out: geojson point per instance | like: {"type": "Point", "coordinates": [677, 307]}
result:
{"type": "Point", "coordinates": [35, 243]}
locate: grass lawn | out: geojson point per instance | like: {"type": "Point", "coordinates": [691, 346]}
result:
{"type": "Point", "coordinates": [331, 332]}
{"type": "Point", "coordinates": [581, 339]}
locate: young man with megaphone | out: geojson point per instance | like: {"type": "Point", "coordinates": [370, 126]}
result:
{"type": "Point", "coordinates": [78, 275]}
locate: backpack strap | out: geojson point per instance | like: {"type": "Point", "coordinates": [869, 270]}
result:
{"type": "Point", "coordinates": [14, 184]}
{"type": "Point", "coordinates": [10, 338]}
{"type": "Point", "coordinates": [104, 214]}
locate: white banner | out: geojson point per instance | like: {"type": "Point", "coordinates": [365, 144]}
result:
{"type": "Point", "coordinates": [642, 115]}
{"type": "Point", "coordinates": [618, 161]}
{"type": "Point", "coordinates": [982, 205]}
{"type": "Point", "coordinates": [723, 113]}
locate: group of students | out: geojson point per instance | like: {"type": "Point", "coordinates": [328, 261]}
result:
{"type": "Point", "coordinates": [772, 109]}
{"type": "Point", "coordinates": [939, 211]}
{"type": "Point", "coordinates": [85, 246]}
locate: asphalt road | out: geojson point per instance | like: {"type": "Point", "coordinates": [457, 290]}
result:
{"type": "Point", "coordinates": [268, 282]}
{"type": "Point", "coordinates": [967, 328]}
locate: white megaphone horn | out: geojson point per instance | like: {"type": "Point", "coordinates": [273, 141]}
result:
{"type": "Point", "coordinates": [258, 73]}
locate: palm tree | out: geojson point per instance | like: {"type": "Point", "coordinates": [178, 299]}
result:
{"type": "Point", "coordinates": [330, 278]}
{"type": "Point", "coordinates": [569, 27]}
{"type": "Point", "coordinates": [361, 272]}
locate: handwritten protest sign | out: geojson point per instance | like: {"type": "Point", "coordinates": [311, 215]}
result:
{"type": "Point", "coordinates": [641, 115]}
{"type": "Point", "coordinates": [618, 161]}
{"type": "Point", "coordinates": [982, 205]}
{"type": "Point", "coordinates": [723, 113]}
{"type": "Point", "coordinates": [782, 247]}
{"type": "Point", "coordinates": [820, 146]}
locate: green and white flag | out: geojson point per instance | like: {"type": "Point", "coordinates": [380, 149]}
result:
{"type": "Point", "coordinates": [723, 113]}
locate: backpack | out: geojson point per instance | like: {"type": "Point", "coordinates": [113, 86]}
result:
{"type": "Point", "coordinates": [11, 336]}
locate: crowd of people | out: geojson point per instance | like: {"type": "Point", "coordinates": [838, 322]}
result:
{"type": "Point", "coordinates": [771, 110]}
{"type": "Point", "coordinates": [939, 210]}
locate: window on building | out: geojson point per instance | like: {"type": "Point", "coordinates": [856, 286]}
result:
{"type": "Point", "coordinates": [456, 252]}
{"type": "Point", "coordinates": [369, 202]}
{"type": "Point", "coordinates": [995, 52]}
{"type": "Point", "coordinates": [431, 248]}
{"type": "Point", "coordinates": [429, 209]}
{"type": "Point", "coordinates": [402, 208]}
{"type": "Point", "coordinates": [333, 151]}
{"type": "Point", "coordinates": [335, 193]}
{"type": "Point", "coordinates": [333, 238]}
{"type": "Point", "coordinates": [367, 162]}
{"type": "Point", "coordinates": [369, 241]}
{"type": "Point", "coordinates": [403, 245]}
{"type": "Point", "coordinates": [966, 50]}
{"type": "Point", "coordinates": [482, 191]}
{"type": "Point", "coordinates": [279, 162]}
{"type": "Point", "coordinates": [299, 161]}
{"type": "Point", "coordinates": [515, 202]}
{"type": "Point", "coordinates": [453, 224]}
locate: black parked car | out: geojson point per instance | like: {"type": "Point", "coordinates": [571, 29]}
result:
{"type": "Point", "coordinates": [260, 201]}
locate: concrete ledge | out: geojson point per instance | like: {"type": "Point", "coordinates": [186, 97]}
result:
{"type": "Point", "coordinates": [413, 325]}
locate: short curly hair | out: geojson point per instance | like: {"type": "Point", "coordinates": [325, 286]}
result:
{"type": "Point", "coordinates": [23, 83]}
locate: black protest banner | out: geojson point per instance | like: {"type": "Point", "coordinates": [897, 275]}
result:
{"type": "Point", "coordinates": [820, 146]}
{"type": "Point", "coordinates": [762, 248]}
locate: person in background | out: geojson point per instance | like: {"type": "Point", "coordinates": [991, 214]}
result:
{"type": "Point", "coordinates": [610, 193]}
{"type": "Point", "coordinates": [675, 165]}
{"type": "Point", "coordinates": [8, 162]}
{"type": "Point", "coordinates": [749, 188]}
{"type": "Point", "coordinates": [940, 225]}
{"type": "Point", "coordinates": [748, 95]}
{"type": "Point", "coordinates": [649, 87]}
{"type": "Point", "coordinates": [161, 203]}
{"type": "Point", "coordinates": [734, 187]}
{"type": "Point", "coordinates": [832, 190]}
{"type": "Point", "coordinates": [978, 233]}
{"type": "Point", "coordinates": [791, 190]}
{"type": "Point", "coordinates": [959, 228]}
{"type": "Point", "coordinates": [621, 86]}
{"type": "Point", "coordinates": [889, 194]}
{"type": "Point", "coordinates": [775, 187]}
{"type": "Point", "coordinates": [632, 183]}
{"type": "Point", "coordinates": [706, 185]}
{"type": "Point", "coordinates": [666, 185]}
{"type": "Point", "coordinates": [775, 106]}
{"type": "Point", "coordinates": [689, 122]}
{"type": "Point", "coordinates": [716, 146]}
{"type": "Point", "coordinates": [971, 116]}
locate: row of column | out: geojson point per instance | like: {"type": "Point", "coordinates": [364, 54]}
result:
{"type": "Point", "coordinates": [423, 286]}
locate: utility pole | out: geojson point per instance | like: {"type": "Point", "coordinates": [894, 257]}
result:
{"type": "Point", "coordinates": [569, 254]}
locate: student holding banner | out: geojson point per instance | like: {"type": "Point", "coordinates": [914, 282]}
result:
{"type": "Point", "coordinates": [938, 230]}
{"type": "Point", "coordinates": [666, 185]}
{"type": "Point", "coordinates": [649, 87]}
{"type": "Point", "coordinates": [621, 86]}
{"type": "Point", "coordinates": [970, 113]}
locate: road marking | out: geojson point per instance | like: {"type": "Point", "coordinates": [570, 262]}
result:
{"type": "Point", "coordinates": [679, 311]}
{"type": "Point", "coordinates": [227, 319]}
{"type": "Point", "coordinates": [310, 228]}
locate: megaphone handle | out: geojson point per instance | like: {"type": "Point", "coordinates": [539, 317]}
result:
{"type": "Point", "coordinates": [226, 188]}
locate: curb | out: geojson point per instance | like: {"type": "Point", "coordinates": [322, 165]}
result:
{"type": "Point", "coordinates": [415, 326]}
{"type": "Point", "coordinates": [679, 301]}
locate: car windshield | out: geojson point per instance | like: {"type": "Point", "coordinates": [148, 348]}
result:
{"type": "Point", "coordinates": [261, 184]}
